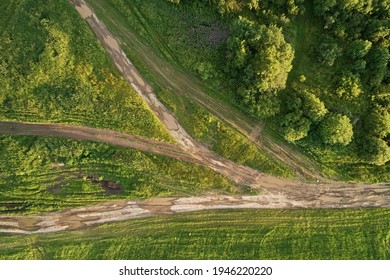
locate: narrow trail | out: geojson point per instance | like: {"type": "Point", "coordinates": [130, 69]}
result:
{"type": "Point", "coordinates": [130, 73]}
{"type": "Point", "coordinates": [239, 174]}
{"type": "Point", "coordinates": [180, 84]}
{"type": "Point", "coordinates": [276, 192]}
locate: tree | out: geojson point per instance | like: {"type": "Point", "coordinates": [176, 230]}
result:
{"type": "Point", "coordinates": [259, 60]}
{"type": "Point", "coordinates": [359, 48]}
{"type": "Point", "coordinates": [295, 126]}
{"type": "Point", "coordinates": [350, 86]}
{"type": "Point", "coordinates": [378, 59]}
{"type": "Point", "coordinates": [264, 104]}
{"type": "Point", "coordinates": [378, 123]}
{"type": "Point", "coordinates": [328, 53]}
{"type": "Point", "coordinates": [376, 151]}
{"type": "Point", "coordinates": [313, 107]}
{"type": "Point", "coordinates": [336, 129]}
{"type": "Point", "coordinates": [260, 55]}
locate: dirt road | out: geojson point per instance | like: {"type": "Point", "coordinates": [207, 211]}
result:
{"type": "Point", "coordinates": [181, 84]}
{"type": "Point", "coordinates": [329, 194]}
{"type": "Point", "coordinates": [240, 174]}
{"type": "Point", "coordinates": [277, 192]}
{"type": "Point", "coordinates": [114, 211]}
{"type": "Point", "coordinates": [131, 74]}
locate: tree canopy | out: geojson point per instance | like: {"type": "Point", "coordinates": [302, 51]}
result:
{"type": "Point", "coordinates": [259, 60]}
{"type": "Point", "coordinates": [336, 129]}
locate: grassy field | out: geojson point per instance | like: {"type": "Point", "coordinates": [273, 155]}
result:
{"type": "Point", "coordinates": [188, 41]}
{"type": "Point", "coordinates": [148, 42]}
{"type": "Point", "coordinates": [46, 174]}
{"type": "Point", "coordinates": [53, 69]}
{"type": "Point", "coordinates": [243, 234]}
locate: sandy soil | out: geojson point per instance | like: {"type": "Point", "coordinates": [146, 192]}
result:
{"type": "Point", "coordinates": [115, 211]}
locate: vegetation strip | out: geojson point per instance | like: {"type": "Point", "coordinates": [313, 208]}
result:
{"type": "Point", "coordinates": [321, 195]}
{"type": "Point", "coordinates": [238, 234]}
{"type": "Point", "coordinates": [45, 174]}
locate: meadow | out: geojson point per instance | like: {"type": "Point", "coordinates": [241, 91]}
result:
{"type": "Point", "coordinates": [242, 234]}
{"type": "Point", "coordinates": [40, 174]}
{"type": "Point", "coordinates": [53, 69]}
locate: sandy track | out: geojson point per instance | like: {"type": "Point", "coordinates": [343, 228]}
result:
{"type": "Point", "coordinates": [96, 134]}
{"type": "Point", "coordinates": [131, 74]}
{"type": "Point", "coordinates": [239, 174]}
{"type": "Point", "coordinates": [115, 211]}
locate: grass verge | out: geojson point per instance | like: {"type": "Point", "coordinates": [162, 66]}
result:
{"type": "Point", "coordinates": [242, 234]}
{"type": "Point", "coordinates": [53, 69]}
{"type": "Point", "coordinates": [49, 174]}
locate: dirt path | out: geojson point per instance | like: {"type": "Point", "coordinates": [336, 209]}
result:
{"type": "Point", "coordinates": [98, 135]}
{"type": "Point", "coordinates": [131, 74]}
{"type": "Point", "coordinates": [277, 192]}
{"type": "Point", "coordinates": [181, 84]}
{"type": "Point", "coordinates": [240, 174]}
{"type": "Point", "coordinates": [115, 211]}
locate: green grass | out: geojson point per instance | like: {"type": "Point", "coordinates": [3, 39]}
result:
{"type": "Point", "coordinates": [47, 174]}
{"type": "Point", "coordinates": [159, 38]}
{"type": "Point", "coordinates": [53, 69]}
{"type": "Point", "coordinates": [230, 144]}
{"type": "Point", "coordinates": [164, 51]}
{"type": "Point", "coordinates": [243, 234]}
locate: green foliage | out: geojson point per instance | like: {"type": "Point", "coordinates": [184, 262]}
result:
{"type": "Point", "coordinates": [295, 126]}
{"type": "Point", "coordinates": [328, 53]}
{"type": "Point", "coordinates": [376, 151]}
{"type": "Point", "coordinates": [352, 34]}
{"type": "Point", "coordinates": [260, 60]}
{"type": "Point", "coordinates": [377, 68]}
{"type": "Point", "coordinates": [313, 107]}
{"type": "Point", "coordinates": [378, 123]}
{"type": "Point", "coordinates": [226, 235]}
{"type": "Point", "coordinates": [54, 70]}
{"type": "Point", "coordinates": [302, 110]}
{"type": "Point", "coordinates": [336, 129]}
{"type": "Point", "coordinates": [359, 48]}
{"type": "Point", "coordinates": [45, 174]}
{"type": "Point", "coordinates": [349, 86]}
